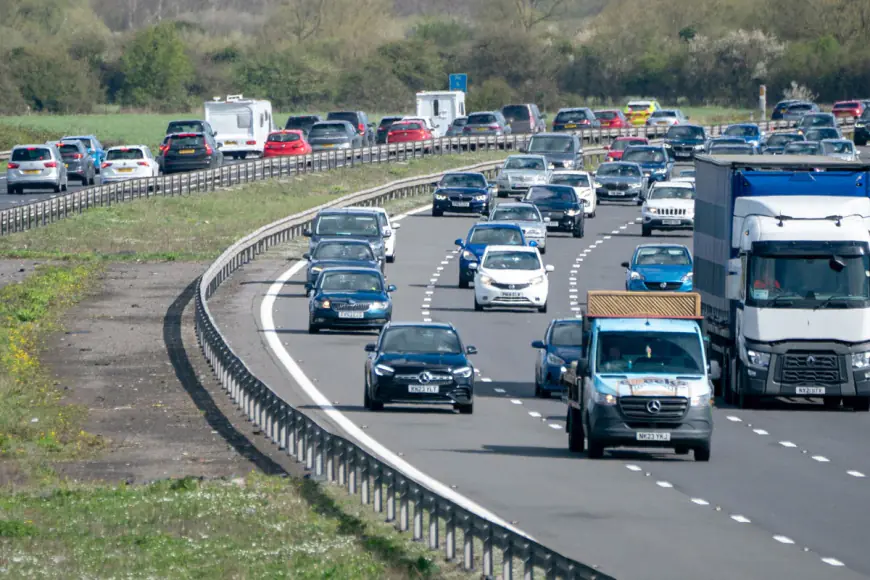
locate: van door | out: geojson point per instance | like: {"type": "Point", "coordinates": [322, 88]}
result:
{"type": "Point", "coordinates": [440, 114]}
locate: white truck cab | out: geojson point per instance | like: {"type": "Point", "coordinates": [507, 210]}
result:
{"type": "Point", "coordinates": [442, 107]}
{"type": "Point", "coordinates": [241, 125]}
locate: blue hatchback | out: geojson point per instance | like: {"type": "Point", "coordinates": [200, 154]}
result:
{"type": "Point", "coordinates": [657, 161]}
{"type": "Point", "coordinates": [659, 268]}
{"type": "Point", "coordinates": [94, 147]}
{"type": "Point", "coordinates": [350, 299]}
{"type": "Point", "coordinates": [749, 132]}
{"type": "Point", "coordinates": [479, 237]}
{"type": "Point", "coordinates": [562, 345]}
{"type": "Point", "coordinates": [462, 193]}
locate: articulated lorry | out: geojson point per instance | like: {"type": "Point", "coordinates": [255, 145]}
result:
{"type": "Point", "coordinates": [782, 264]}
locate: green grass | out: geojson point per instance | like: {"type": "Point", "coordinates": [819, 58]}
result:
{"type": "Point", "coordinates": [200, 227]}
{"type": "Point", "coordinates": [259, 527]}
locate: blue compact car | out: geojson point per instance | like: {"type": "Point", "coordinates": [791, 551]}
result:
{"type": "Point", "coordinates": [419, 363]}
{"type": "Point", "coordinates": [657, 161]}
{"type": "Point", "coordinates": [659, 268]}
{"type": "Point", "coordinates": [562, 345]}
{"type": "Point", "coordinates": [350, 299]}
{"type": "Point", "coordinates": [749, 132]}
{"type": "Point", "coordinates": [94, 147]}
{"type": "Point", "coordinates": [479, 237]}
{"type": "Point", "coordinates": [462, 193]}
{"type": "Point", "coordinates": [336, 253]}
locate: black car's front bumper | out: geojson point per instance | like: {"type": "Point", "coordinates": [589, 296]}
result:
{"type": "Point", "coordinates": [393, 390]}
{"type": "Point", "coordinates": [560, 220]}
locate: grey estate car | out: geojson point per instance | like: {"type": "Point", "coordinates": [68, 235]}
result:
{"type": "Point", "coordinates": [36, 167]}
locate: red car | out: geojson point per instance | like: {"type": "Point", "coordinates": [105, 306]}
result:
{"type": "Point", "coordinates": [612, 119]}
{"type": "Point", "coordinates": [408, 131]}
{"type": "Point", "coordinates": [286, 142]}
{"type": "Point", "coordinates": [848, 109]}
{"type": "Point", "coordinates": [615, 149]}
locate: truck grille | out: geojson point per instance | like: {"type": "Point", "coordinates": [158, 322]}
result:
{"type": "Point", "coordinates": [669, 211]}
{"type": "Point", "coordinates": [657, 286]}
{"type": "Point", "coordinates": [350, 306]}
{"type": "Point", "coordinates": [639, 408]}
{"type": "Point", "coordinates": [811, 368]}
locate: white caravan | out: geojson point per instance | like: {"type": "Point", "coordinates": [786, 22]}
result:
{"type": "Point", "coordinates": [241, 125]}
{"type": "Point", "coordinates": [442, 107]}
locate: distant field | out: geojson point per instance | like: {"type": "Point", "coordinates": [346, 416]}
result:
{"type": "Point", "coordinates": [149, 129]}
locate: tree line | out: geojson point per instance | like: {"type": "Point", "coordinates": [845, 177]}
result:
{"type": "Point", "coordinates": [68, 56]}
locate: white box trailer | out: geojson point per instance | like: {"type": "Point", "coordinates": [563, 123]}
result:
{"type": "Point", "coordinates": [442, 107]}
{"type": "Point", "coordinates": [241, 125]}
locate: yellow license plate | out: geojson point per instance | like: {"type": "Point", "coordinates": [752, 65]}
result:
{"type": "Point", "coordinates": [186, 151]}
{"type": "Point", "coordinates": [231, 142]}
{"type": "Point", "coordinates": [126, 170]}
{"type": "Point", "coordinates": [483, 128]}
{"type": "Point", "coordinates": [571, 126]}
{"type": "Point", "coordinates": [66, 165]}
{"type": "Point", "coordinates": [329, 145]}
{"type": "Point", "coordinates": [31, 171]}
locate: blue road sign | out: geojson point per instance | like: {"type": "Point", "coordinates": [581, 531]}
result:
{"type": "Point", "coordinates": [459, 82]}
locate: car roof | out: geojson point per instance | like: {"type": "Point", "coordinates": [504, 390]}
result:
{"type": "Point", "coordinates": [553, 185]}
{"type": "Point", "coordinates": [349, 240]}
{"type": "Point", "coordinates": [345, 210]}
{"type": "Point", "coordinates": [415, 323]}
{"type": "Point", "coordinates": [36, 145]}
{"type": "Point", "coordinates": [475, 173]}
{"type": "Point", "coordinates": [79, 137]}
{"type": "Point", "coordinates": [551, 134]}
{"type": "Point", "coordinates": [515, 204]}
{"type": "Point", "coordinates": [490, 225]}
{"type": "Point", "coordinates": [570, 109]}
{"type": "Point", "coordinates": [663, 245]}
{"type": "Point", "coordinates": [571, 172]}
{"type": "Point", "coordinates": [631, 138]}
{"type": "Point", "coordinates": [535, 155]}
{"type": "Point", "coordinates": [649, 147]}
{"type": "Point", "coordinates": [500, 248]}
{"type": "Point", "coordinates": [361, 269]}
{"type": "Point", "coordinates": [126, 147]}
{"type": "Point", "coordinates": [836, 141]}
{"type": "Point", "coordinates": [560, 321]}
{"type": "Point", "coordinates": [683, 184]}
{"type": "Point", "coordinates": [632, 163]}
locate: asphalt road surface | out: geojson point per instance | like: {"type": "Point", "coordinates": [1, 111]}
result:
{"type": "Point", "coordinates": [784, 495]}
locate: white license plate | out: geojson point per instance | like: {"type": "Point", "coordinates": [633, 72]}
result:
{"type": "Point", "coordinates": [617, 193]}
{"type": "Point", "coordinates": [512, 294]}
{"type": "Point", "coordinates": [428, 389]}
{"type": "Point", "coordinates": [671, 222]}
{"type": "Point", "coordinates": [810, 390]}
{"type": "Point", "coordinates": [460, 203]}
{"type": "Point", "coordinates": [351, 314]}
{"type": "Point", "coordinates": [647, 436]}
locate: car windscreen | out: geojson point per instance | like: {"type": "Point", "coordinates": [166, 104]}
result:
{"type": "Point", "coordinates": [572, 116]}
{"type": "Point", "coordinates": [328, 130]}
{"type": "Point", "coordinates": [387, 121]}
{"type": "Point", "coordinates": [512, 261]}
{"type": "Point", "coordinates": [741, 131]}
{"type": "Point", "coordinates": [284, 137]}
{"type": "Point", "coordinates": [567, 335]}
{"type": "Point", "coordinates": [837, 147]}
{"type": "Point", "coordinates": [31, 154]}
{"type": "Point", "coordinates": [497, 236]}
{"type": "Point", "coordinates": [460, 122]}
{"type": "Point", "coordinates": [783, 140]}
{"type": "Point", "coordinates": [665, 192]}
{"type": "Point", "coordinates": [185, 127]}
{"type": "Point", "coordinates": [124, 154]}
{"type": "Point", "coordinates": [481, 119]}
{"type": "Point", "coordinates": [530, 163]}
{"type": "Point", "coordinates": [606, 115]}
{"type": "Point", "coordinates": [463, 180]}
{"type": "Point", "coordinates": [300, 123]}
{"type": "Point", "coordinates": [551, 144]}
{"type": "Point", "coordinates": [618, 170]}
{"type": "Point", "coordinates": [86, 142]}
{"type": "Point", "coordinates": [69, 149]}
{"type": "Point", "coordinates": [543, 193]}
{"type": "Point", "coordinates": [341, 251]}
{"type": "Point", "coordinates": [622, 145]}
{"type": "Point", "coordinates": [644, 156]}
{"type": "Point", "coordinates": [420, 339]}
{"type": "Point", "coordinates": [730, 150]}
{"type": "Point", "coordinates": [572, 179]}
{"type": "Point", "coordinates": [650, 352]}
{"type": "Point", "coordinates": [799, 108]}
{"type": "Point", "coordinates": [516, 113]}
{"type": "Point", "coordinates": [347, 225]}
{"type": "Point", "coordinates": [516, 214]}
{"type": "Point", "coordinates": [664, 256]}
{"type": "Point", "coordinates": [338, 281]}
{"type": "Point", "coordinates": [685, 132]}
{"type": "Point", "coordinates": [187, 142]}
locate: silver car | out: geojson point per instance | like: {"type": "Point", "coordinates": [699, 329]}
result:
{"type": "Point", "coordinates": [667, 118]}
{"type": "Point", "coordinates": [528, 217]}
{"type": "Point", "coordinates": [840, 149]}
{"type": "Point", "coordinates": [520, 172]}
{"type": "Point", "coordinates": [36, 167]}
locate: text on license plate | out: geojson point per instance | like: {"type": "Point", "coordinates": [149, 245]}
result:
{"type": "Point", "coordinates": [617, 193]}
{"type": "Point", "coordinates": [66, 165]}
{"type": "Point", "coordinates": [671, 222]}
{"type": "Point", "coordinates": [31, 171]}
{"type": "Point", "coordinates": [512, 294]}
{"type": "Point", "coordinates": [652, 436]}
{"type": "Point", "coordinates": [126, 170]}
{"type": "Point", "coordinates": [810, 390]}
{"type": "Point", "coordinates": [571, 126]}
{"type": "Point", "coordinates": [482, 128]}
{"type": "Point", "coordinates": [460, 203]}
{"type": "Point", "coordinates": [231, 142]}
{"type": "Point", "coordinates": [186, 151]}
{"type": "Point", "coordinates": [429, 389]}
{"type": "Point", "coordinates": [351, 314]}
{"type": "Point", "coordinates": [329, 145]}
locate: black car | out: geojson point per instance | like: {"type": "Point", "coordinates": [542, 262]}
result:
{"type": "Point", "coordinates": [419, 363]}
{"type": "Point", "coordinates": [339, 252]}
{"type": "Point", "coordinates": [686, 140]}
{"type": "Point", "coordinates": [360, 122]}
{"type": "Point", "coordinates": [191, 152]}
{"type": "Point", "coordinates": [78, 162]}
{"type": "Point", "coordinates": [561, 204]}
{"type": "Point", "coordinates": [780, 108]}
{"type": "Point", "coordinates": [862, 128]}
{"type": "Point", "coordinates": [575, 119]}
{"type": "Point", "coordinates": [189, 126]}
{"type": "Point", "coordinates": [776, 142]}
{"type": "Point", "coordinates": [302, 123]}
{"type": "Point", "coordinates": [384, 128]}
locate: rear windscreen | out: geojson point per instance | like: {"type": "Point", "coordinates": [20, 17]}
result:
{"type": "Point", "coordinates": [68, 150]}
{"type": "Point", "coordinates": [849, 105]}
{"type": "Point", "coordinates": [300, 122]}
{"type": "Point", "coordinates": [516, 113]}
{"type": "Point", "coordinates": [483, 119]}
{"type": "Point", "coordinates": [606, 115]}
{"type": "Point", "coordinates": [186, 142]}
{"type": "Point", "coordinates": [184, 127]}
{"type": "Point", "coordinates": [31, 154]}
{"type": "Point", "coordinates": [284, 137]}
{"type": "Point", "coordinates": [328, 130]}
{"type": "Point", "coordinates": [349, 117]}
{"type": "Point", "coordinates": [571, 116]}
{"type": "Point", "coordinates": [406, 127]}
{"type": "Point", "coordinates": [124, 154]}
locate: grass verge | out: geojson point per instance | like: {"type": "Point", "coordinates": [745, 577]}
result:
{"type": "Point", "coordinates": [33, 423]}
{"type": "Point", "coordinates": [257, 527]}
{"type": "Point", "coordinates": [200, 227]}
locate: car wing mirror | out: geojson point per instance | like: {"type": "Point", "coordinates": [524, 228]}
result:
{"type": "Point", "coordinates": [307, 233]}
{"type": "Point", "coordinates": [626, 265]}
{"type": "Point", "coordinates": [396, 226]}
{"type": "Point", "coordinates": [371, 347]}
{"type": "Point", "coordinates": [547, 220]}
{"type": "Point", "coordinates": [391, 288]}
{"type": "Point", "coordinates": [471, 350]}
{"type": "Point", "coordinates": [549, 268]}
{"type": "Point", "coordinates": [538, 344]}
{"type": "Point", "coordinates": [306, 256]}
{"type": "Point", "coordinates": [472, 266]}
{"type": "Point", "coordinates": [460, 243]}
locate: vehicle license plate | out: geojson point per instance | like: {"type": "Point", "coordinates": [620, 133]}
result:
{"type": "Point", "coordinates": [671, 222]}
{"type": "Point", "coordinates": [31, 171]}
{"type": "Point", "coordinates": [810, 390]}
{"type": "Point", "coordinates": [66, 165]}
{"type": "Point", "coordinates": [617, 193]}
{"type": "Point", "coordinates": [646, 436]}
{"type": "Point", "coordinates": [429, 389]}
{"type": "Point", "coordinates": [512, 294]}
{"type": "Point", "coordinates": [231, 142]}
{"type": "Point", "coordinates": [571, 126]}
{"type": "Point", "coordinates": [329, 145]}
{"type": "Point", "coordinates": [483, 128]}
{"type": "Point", "coordinates": [351, 314]}
{"type": "Point", "coordinates": [186, 151]}
{"type": "Point", "coordinates": [460, 203]}
{"type": "Point", "coordinates": [126, 170]}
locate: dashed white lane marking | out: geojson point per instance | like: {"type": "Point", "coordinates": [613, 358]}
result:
{"type": "Point", "coordinates": [535, 414]}
{"type": "Point", "coordinates": [430, 292]}
{"type": "Point", "coordinates": [821, 459]}
{"type": "Point", "coordinates": [613, 232]}
{"type": "Point", "coordinates": [741, 519]}
{"type": "Point", "coordinates": [832, 562]}
{"type": "Point", "coordinates": [699, 501]}
{"type": "Point", "coordinates": [444, 262]}
{"type": "Point", "coordinates": [427, 299]}
{"type": "Point", "coordinates": [632, 467]}
{"type": "Point", "coordinates": [433, 280]}
{"type": "Point", "coordinates": [516, 402]}
{"type": "Point", "coordinates": [623, 227]}
{"type": "Point", "coordinates": [607, 237]}
{"type": "Point", "coordinates": [575, 309]}
{"type": "Point", "coordinates": [439, 268]}
{"type": "Point", "coordinates": [783, 539]}
{"type": "Point", "coordinates": [427, 320]}
{"type": "Point", "coordinates": [572, 291]}
{"type": "Point", "coordinates": [555, 426]}
{"type": "Point", "coordinates": [572, 279]}
{"type": "Point", "coordinates": [760, 432]}
{"type": "Point", "coordinates": [665, 484]}
{"type": "Point", "coordinates": [486, 379]}
{"type": "Point", "coordinates": [787, 444]}
{"type": "Point", "coordinates": [425, 313]}
{"type": "Point", "coordinates": [734, 419]}
{"type": "Point", "coordinates": [499, 390]}
{"type": "Point", "coordinates": [855, 474]}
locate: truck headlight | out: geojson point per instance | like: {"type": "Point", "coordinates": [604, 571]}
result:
{"type": "Point", "coordinates": [637, 276]}
{"type": "Point", "coordinates": [384, 370]}
{"type": "Point", "coordinates": [466, 255]}
{"type": "Point", "coordinates": [603, 398]}
{"type": "Point", "coordinates": [555, 360]}
{"type": "Point", "coordinates": [758, 359]}
{"type": "Point", "coordinates": [462, 372]}
{"type": "Point", "coordinates": [700, 400]}
{"type": "Point", "coordinates": [861, 360]}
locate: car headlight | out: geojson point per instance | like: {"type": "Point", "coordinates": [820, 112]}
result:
{"type": "Point", "coordinates": [462, 372]}
{"type": "Point", "coordinates": [479, 198]}
{"type": "Point", "coordinates": [859, 124]}
{"type": "Point", "coordinates": [555, 360]}
{"type": "Point", "coordinates": [379, 305]}
{"type": "Point", "coordinates": [597, 185]}
{"type": "Point", "coordinates": [603, 398]}
{"type": "Point", "coordinates": [700, 400]}
{"type": "Point", "coordinates": [697, 147]}
{"type": "Point", "coordinates": [687, 278]}
{"type": "Point", "coordinates": [653, 210]}
{"type": "Point", "coordinates": [861, 360]}
{"type": "Point", "coordinates": [440, 196]}
{"type": "Point", "coordinates": [324, 303]}
{"type": "Point", "coordinates": [571, 212]}
{"type": "Point", "coordinates": [637, 276]}
{"type": "Point", "coordinates": [660, 170]}
{"type": "Point", "coordinates": [317, 269]}
{"type": "Point", "coordinates": [754, 143]}
{"type": "Point", "coordinates": [568, 164]}
{"type": "Point", "coordinates": [537, 280]}
{"type": "Point", "coordinates": [384, 370]}
{"type": "Point", "coordinates": [485, 280]}
{"type": "Point", "coordinates": [466, 255]}
{"type": "Point", "coordinates": [758, 359]}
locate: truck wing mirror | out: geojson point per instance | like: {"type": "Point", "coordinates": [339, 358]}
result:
{"type": "Point", "coordinates": [733, 289]}
{"type": "Point", "coordinates": [582, 367]}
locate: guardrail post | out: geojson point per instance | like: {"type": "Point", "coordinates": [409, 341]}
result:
{"type": "Point", "coordinates": [487, 550]}
{"type": "Point", "coordinates": [418, 514]}
{"type": "Point", "coordinates": [379, 490]}
{"type": "Point", "coordinates": [391, 496]}
{"type": "Point", "coordinates": [403, 505]}
{"type": "Point", "coordinates": [507, 562]}
{"type": "Point", "coordinates": [309, 447]}
{"type": "Point", "coordinates": [365, 483]}
{"type": "Point", "coordinates": [351, 470]}
{"type": "Point", "coordinates": [320, 444]}
{"type": "Point", "coordinates": [329, 456]}
{"type": "Point", "coordinates": [434, 523]}
{"type": "Point", "coordinates": [468, 542]}
{"type": "Point", "coordinates": [528, 563]}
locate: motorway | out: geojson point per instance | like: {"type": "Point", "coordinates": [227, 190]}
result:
{"type": "Point", "coordinates": [784, 496]}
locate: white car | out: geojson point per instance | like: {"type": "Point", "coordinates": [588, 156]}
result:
{"type": "Point", "coordinates": [128, 162]}
{"type": "Point", "coordinates": [669, 206]}
{"type": "Point", "coordinates": [511, 276]}
{"type": "Point", "coordinates": [430, 125]}
{"type": "Point", "coordinates": [387, 226]}
{"type": "Point", "coordinates": [583, 184]}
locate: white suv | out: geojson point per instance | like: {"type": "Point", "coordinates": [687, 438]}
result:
{"type": "Point", "coordinates": [669, 206]}
{"type": "Point", "coordinates": [511, 276]}
{"type": "Point", "coordinates": [36, 167]}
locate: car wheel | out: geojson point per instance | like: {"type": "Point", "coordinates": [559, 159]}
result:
{"type": "Point", "coordinates": [578, 232]}
{"type": "Point", "coordinates": [370, 403]}
{"type": "Point", "coordinates": [57, 188]}
{"type": "Point", "coordinates": [391, 259]}
{"type": "Point", "coordinates": [543, 309]}
{"type": "Point", "coordinates": [464, 283]}
{"type": "Point", "coordinates": [467, 409]}
{"type": "Point", "coordinates": [478, 307]}
{"type": "Point", "coordinates": [858, 404]}
{"type": "Point", "coordinates": [592, 215]}
{"type": "Point", "coordinates": [645, 231]}
{"type": "Point", "coordinates": [702, 452]}
{"type": "Point", "coordinates": [313, 329]}
{"type": "Point", "coordinates": [681, 450]}
{"type": "Point", "coordinates": [576, 436]}
{"type": "Point", "coordinates": [437, 213]}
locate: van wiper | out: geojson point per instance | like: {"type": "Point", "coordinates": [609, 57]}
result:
{"type": "Point", "coordinates": [787, 296]}
{"type": "Point", "coordinates": [827, 302]}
